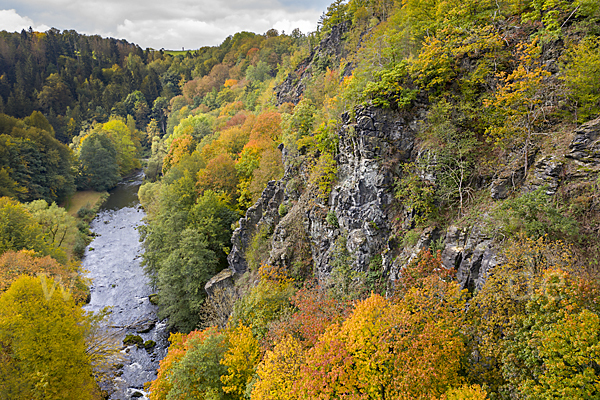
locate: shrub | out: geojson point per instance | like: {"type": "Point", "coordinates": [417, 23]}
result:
{"type": "Point", "coordinates": [257, 252]}
{"type": "Point", "coordinates": [416, 195]}
{"type": "Point", "coordinates": [331, 219]}
{"type": "Point", "coordinates": [323, 176]}
{"type": "Point", "coordinates": [534, 215]}
{"type": "Point", "coordinates": [265, 303]}
{"type": "Point", "coordinates": [131, 340]}
{"type": "Point", "coordinates": [282, 210]}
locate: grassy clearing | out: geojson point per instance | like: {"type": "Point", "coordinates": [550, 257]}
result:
{"type": "Point", "coordinates": [90, 198]}
{"type": "Point", "coordinates": [177, 52]}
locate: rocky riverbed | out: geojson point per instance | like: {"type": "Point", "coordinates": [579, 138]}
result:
{"type": "Point", "coordinates": [112, 262]}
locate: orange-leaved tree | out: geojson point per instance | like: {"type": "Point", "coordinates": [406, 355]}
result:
{"type": "Point", "coordinates": [219, 176]}
{"type": "Point", "coordinates": [316, 309]}
{"type": "Point", "coordinates": [407, 349]}
{"type": "Point", "coordinates": [14, 264]}
{"type": "Point", "coordinates": [181, 146]}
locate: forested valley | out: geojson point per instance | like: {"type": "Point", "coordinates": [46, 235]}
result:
{"type": "Point", "coordinates": [403, 204]}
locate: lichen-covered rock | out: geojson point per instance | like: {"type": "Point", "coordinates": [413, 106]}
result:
{"type": "Point", "coordinates": [264, 211]}
{"type": "Point", "coordinates": [585, 146]}
{"type": "Point", "coordinates": [222, 280]}
{"type": "Point", "coordinates": [501, 187]}
{"type": "Point", "coordinates": [546, 173]}
{"type": "Point", "coordinates": [371, 153]}
{"type": "Point", "coordinates": [471, 253]}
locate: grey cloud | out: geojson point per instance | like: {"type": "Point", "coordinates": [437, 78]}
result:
{"type": "Point", "coordinates": [171, 23]}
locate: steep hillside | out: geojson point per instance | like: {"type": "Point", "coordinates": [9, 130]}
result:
{"type": "Point", "coordinates": [432, 172]}
{"type": "Point", "coordinates": [431, 231]}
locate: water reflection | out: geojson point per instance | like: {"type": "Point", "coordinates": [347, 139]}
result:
{"type": "Point", "coordinates": [125, 193]}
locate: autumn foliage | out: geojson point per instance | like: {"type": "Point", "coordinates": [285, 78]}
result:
{"type": "Point", "coordinates": [43, 346]}
{"type": "Point", "coordinates": [408, 347]}
{"type": "Point", "coordinates": [24, 262]}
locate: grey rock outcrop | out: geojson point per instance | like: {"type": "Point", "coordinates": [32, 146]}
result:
{"type": "Point", "coordinates": [371, 152]}
{"type": "Point", "coordinates": [471, 253]}
{"type": "Point", "coordinates": [511, 178]}
{"type": "Point", "coordinates": [222, 280]}
{"type": "Point", "coordinates": [546, 173]}
{"type": "Point", "coordinates": [585, 146]}
{"type": "Point", "coordinates": [264, 211]}
{"type": "Point", "coordinates": [467, 251]}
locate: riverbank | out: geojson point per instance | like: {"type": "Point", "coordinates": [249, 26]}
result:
{"type": "Point", "coordinates": [89, 199]}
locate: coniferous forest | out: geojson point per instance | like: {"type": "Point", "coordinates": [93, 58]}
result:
{"type": "Point", "coordinates": [403, 204]}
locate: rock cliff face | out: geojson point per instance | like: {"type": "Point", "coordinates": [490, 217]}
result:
{"type": "Point", "coordinates": [264, 212]}
{"type": "Point", "coordinates": [360, 204]}
{"type": "Point", "coordinates": [355, 225]}
{"type": "Point", "coordinates": [584, 150]}
{"type": "Point", "coordinates": [371, 153]}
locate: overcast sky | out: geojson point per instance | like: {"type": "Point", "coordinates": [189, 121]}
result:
{"type": "Point", "coordinates": [171, 24]}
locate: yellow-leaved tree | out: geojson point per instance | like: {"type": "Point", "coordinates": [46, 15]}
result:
{"type": "Point", "coordinates": [520, 104]}
{"type": "Point", "coordinates": [279, 371]}
{"type": "Point", "coordinates": [42, 344]}
{"type": "Point", "coordinates": [121, 136]}
{"type": "Point", "coordinates": [241, 359]}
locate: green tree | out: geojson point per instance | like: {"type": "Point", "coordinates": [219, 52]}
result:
{"type": "Point", "coordinates": [55, 95]}
{"type": "Point", "coordinates": [36, 165]}
{"type": "Point", "coordinates": [182, 277]}
{"type": "Point", "coordinates": [265, 303]}
{"type": "Point", "coordinates": [581, 73]}
{"type": "Point", "coordinates": [198, 374]}
{"type": "Point", "coordinates": [98, 167]}
{"type": "Point", "coordinates": [454, 150]}
{"type": "Point", "coordinates": [60, 228]}
{"type": "Point", "coordinates": [501, 307]}
{"type": "Point", "coordinates": [186, 242]}
{"type": "Point", "coordinates": [258, 73]}
{"type": "Point", "coordinates": [19, 230]}
{"type": "Point", "coordinates": [298, 124]}
{"type": "Point", "coordinates": [159, 112]}
{"type": "Point", "coordinates": [122, 138]}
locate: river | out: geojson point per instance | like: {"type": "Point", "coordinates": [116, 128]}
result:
{"type": "Point", "coordinates": [112, 263]}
